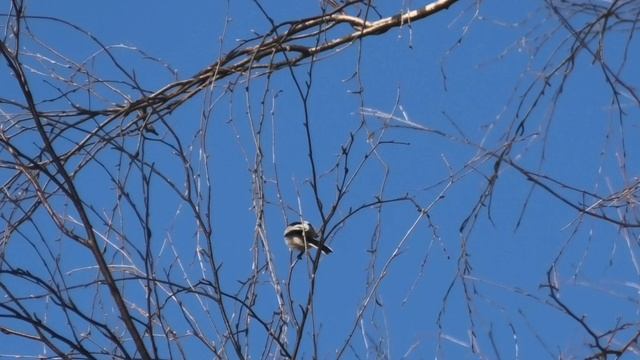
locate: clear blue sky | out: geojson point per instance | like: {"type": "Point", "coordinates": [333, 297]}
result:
{"type": "Point", "coordinates": [423, 71]}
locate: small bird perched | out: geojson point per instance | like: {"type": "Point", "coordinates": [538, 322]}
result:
{"type": "Point", "coordinates": [301, 235]}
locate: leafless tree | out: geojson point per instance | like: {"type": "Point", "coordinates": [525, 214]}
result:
{"type": "Point", "coordinates": [112, 199]}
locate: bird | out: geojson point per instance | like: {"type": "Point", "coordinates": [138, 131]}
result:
{"type": "Point", "coordinates": [301, 235]}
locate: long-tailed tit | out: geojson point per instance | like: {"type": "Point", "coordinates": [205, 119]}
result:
{"type": "Point", "coordinates": [301, 235]}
